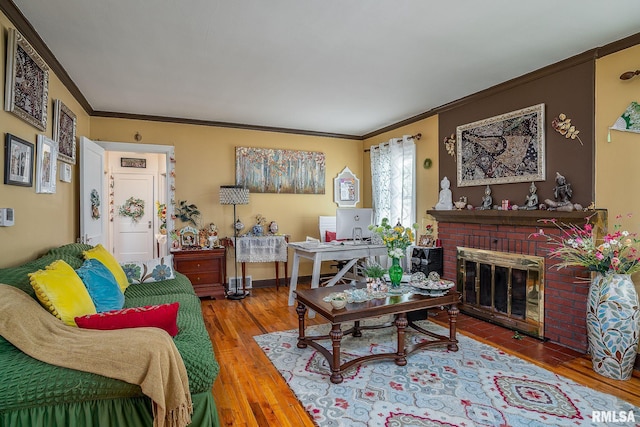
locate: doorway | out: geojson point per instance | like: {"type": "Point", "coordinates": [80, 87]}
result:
{"type": "Point", "coordinates": [140, 179]}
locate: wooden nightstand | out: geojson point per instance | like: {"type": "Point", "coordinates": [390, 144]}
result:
{"type": "Point", "coordinates": [205, 268]}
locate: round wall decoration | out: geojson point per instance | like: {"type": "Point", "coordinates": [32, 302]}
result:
{"type": "Point", "coordinates": [427, 163]}
{"type": "Point", "coordinates": [133, 208]}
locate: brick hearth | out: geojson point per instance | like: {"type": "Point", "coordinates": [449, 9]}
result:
{"type": "Point", "coordinates": [510, 231]}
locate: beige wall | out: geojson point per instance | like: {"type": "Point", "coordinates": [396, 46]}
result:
{"type": "Point", "coordinates": [617, 172]}
{"type": "Point", "coordinates": [205, 160]}
{"type": "Point", "coordinates": [427, 183]}
{"type": "Point", "coordinates": [42, 221]}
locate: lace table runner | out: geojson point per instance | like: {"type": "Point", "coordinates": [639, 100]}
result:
{"type": "Point", "coordinates": [262, 249]}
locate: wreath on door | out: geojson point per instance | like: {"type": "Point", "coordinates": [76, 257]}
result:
{"type": "Point", "coordinates": [132, 208]}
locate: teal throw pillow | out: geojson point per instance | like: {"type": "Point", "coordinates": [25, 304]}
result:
{"type": "Point", "coordinates": [154, 270]}
{"type": "Point", "coordinates": [101, 285]}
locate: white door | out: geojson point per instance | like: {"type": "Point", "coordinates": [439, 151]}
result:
{"type": "Point", "coordinates": [93, 204]}
{"type": "Point", "coordinates": [133, 235]}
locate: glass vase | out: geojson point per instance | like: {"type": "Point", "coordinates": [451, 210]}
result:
{"type": "Point", "coordinates": [395, 273]}
{"type": "Point", "coordinates": [612, 325]}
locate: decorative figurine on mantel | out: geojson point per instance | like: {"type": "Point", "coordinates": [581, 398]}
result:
{"type": "Point", "coordinates": [461, 203]}
{"type": "Point", "coordinates": [563, 193]}
{"type": "Point", "coordinates": [487, 200]}
{"type": "Point", "coordinates": [445, 200]}
{"type": "Point", "coordinates": [532, 199]}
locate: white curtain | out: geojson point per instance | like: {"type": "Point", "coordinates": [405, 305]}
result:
{"type": "Point", "coordinates": [393, 176]}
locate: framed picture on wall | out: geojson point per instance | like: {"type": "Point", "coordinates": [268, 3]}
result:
{"type": "Point", "coordinates": [46, 165]}
{"type": "Point", "coordinates": [27, 81]}
{"type": "Point", "coordinates": [346, 189]}
{"type": "Point", "coordinates": [18, 161]}
{"type": "Point", "coordinates": [502, 149]}
{"type": "Point", "coordinates": [64, 132]}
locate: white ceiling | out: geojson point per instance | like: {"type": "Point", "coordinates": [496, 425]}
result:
{"type": "Point", "coordinates": [336, 66]}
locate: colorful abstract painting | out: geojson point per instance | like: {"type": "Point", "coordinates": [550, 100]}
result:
{"type": "Point", "coordinates": [502, 149]}
{"type": "Point", "coordinates": [266, 170]}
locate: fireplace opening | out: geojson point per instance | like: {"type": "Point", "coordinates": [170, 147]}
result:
{"type": "Point", "coordinates": [503, 288]}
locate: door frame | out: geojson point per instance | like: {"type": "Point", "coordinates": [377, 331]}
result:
{"type": "Point", "coordinates": [169, 151]}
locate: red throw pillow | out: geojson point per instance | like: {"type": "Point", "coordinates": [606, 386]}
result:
{"type": "Point", "coordinates": [160, 316]}
{"type": "Point", "coordinates": [329, 236]}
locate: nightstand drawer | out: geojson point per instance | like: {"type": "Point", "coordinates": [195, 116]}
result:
{"type": "Point", "coordinates": [197, 266]}
{"type": "Point", "coordinates": [203, 278]}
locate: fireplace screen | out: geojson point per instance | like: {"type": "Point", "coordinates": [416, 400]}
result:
{"type": "Point", "coordinates": [504, 288]}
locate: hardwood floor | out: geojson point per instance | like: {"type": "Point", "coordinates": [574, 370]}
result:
{"type": "Point", "coordinates": [249, 391]}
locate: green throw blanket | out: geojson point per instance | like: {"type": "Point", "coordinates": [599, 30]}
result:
{"type": "Point", "coordinates": [143, 356]}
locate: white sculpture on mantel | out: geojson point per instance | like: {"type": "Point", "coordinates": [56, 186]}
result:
{"type": "Point", "coordinates": [445, 202]}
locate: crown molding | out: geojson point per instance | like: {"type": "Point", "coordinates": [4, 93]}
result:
{"type": "Point", "coordinates": [180, 120]}
{"type": "Point", "coordinates": [26, 29]}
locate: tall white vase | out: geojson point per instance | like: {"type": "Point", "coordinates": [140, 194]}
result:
{"type": "Point", "coordinates": [612, 325]}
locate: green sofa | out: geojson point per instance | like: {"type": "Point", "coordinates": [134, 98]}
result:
{"type": "Point", "coordinates": [34, 393]}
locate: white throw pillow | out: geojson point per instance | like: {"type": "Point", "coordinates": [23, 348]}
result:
{"type": "Point", "coordinates": [154, 270]}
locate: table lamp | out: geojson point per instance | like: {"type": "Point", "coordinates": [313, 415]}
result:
{"type": "Point", "coordinates": [234, 195]}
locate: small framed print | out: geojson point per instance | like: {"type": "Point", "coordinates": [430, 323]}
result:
{"type": "Point", "coordinates": [46, 165]}
{"type": "Point", "coordinates": [346, 189]}
{"type": "Point", "coordinates": [64, 132]}
{"type": "Point", "coordinates": [18, 161]}
{"type": "Point", "coordinates": [426, 241]}
{"type": "Point", "coordinates": [27, 81]}
{"type": "Point", "coordinates": [130, 162]}
{"type": "Point", "coordinates": [188, 237]}
{"type": "Point", "coordinates": [65, 172]}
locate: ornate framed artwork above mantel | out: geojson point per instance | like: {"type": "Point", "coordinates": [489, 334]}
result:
{"type": "Point", "coordinates": [64, 132]}
{"type": "Point", "coordinates": [502, 149]}
{"type": "Point", "coordinates": [27, 81]}
{"type": "Point", "coordinates": [346, 189]}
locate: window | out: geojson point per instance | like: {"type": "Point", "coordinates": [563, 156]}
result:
{"type": "Point", "coordinates": [393, 181]}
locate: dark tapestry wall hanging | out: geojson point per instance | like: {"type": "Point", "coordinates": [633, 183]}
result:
{"type": "Point", "coordinates": [502, 149]}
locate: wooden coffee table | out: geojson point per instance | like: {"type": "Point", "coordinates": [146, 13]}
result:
{"type": "Point", "coordinates": [398, 305]}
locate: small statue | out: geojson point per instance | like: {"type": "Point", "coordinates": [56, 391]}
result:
{"type": "Point", "coordinates": [487, 200]}
{"type": "Point", "coordinates": [203, 238]}
{"type": "Point", "coordinates": [213, 235]}
{"type": "Point", "coordinates": [462, 203]}
{"type": "Point", "coordinates": [444, 201]}
{"type": "Point", "coordinates": [562, 192]}
{"type": "Point", "coordinates": [532, 199]}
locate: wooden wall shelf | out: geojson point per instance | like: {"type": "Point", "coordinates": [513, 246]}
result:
{"type": "Point", "coordinates": [519, 217]}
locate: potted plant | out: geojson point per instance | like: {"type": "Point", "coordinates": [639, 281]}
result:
{"type": "Point", "coordinates": [374, 274]}
{"type": "Point", "coordinates": [612, 301]}
{"type": "Point", "coordinates": [188, 213]}
{"type": "Point", "coordinates": [397, 239]}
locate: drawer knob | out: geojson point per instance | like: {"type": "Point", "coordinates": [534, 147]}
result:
{"type": "Point", "coordinates": [198, 265]}
{"type": "Point", "coordinates": [198, 279]}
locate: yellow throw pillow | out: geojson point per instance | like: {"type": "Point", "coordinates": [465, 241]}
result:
{"type": "Point", "coordinates": [62, 292]}
{"type": "Point", "coordinates": [104, 256]}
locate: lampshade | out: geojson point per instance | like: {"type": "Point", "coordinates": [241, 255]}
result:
{"type": "Point", "coordinates": [234, 195]}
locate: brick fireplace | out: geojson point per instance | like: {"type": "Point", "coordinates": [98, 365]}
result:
{"type": "Point", "coordinates": [565, 290]}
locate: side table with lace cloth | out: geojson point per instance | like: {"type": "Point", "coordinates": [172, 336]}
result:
{"type": "Point", "coordinates": [263, 249]}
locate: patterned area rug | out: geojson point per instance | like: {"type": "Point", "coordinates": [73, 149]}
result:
{"type": "Point", "coordinates": [477, 386]}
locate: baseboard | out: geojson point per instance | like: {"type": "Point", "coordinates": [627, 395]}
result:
{"type": "Point", "coordinates": [271, 283]}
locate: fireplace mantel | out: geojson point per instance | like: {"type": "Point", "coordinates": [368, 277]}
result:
{"type": "Point", "coordinates": [519, 217]}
